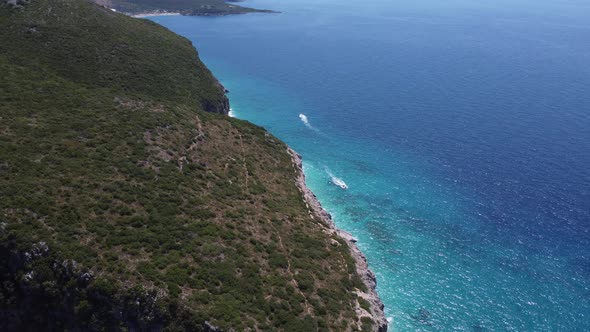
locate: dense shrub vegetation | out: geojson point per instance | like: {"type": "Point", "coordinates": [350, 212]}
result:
{"type": "Point", "coordinates": [124, 205]}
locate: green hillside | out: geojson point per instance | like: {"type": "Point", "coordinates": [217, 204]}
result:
{"type": "Point", "coordinates": [126, 203]}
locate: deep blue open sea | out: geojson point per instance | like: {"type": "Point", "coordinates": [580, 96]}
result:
{"type": "Point", "coordinates": [462, 130]}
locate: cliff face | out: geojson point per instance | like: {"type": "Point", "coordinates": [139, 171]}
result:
{"type": "Point", "coordinates": [46, 292]}
{"type": "Point", "coordinates": [219, 106]}
{"type": "Point", "coordinates": [123, 205]}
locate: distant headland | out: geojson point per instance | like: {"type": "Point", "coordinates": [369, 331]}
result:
{"type": "Point", "coordinates": [142, 8]}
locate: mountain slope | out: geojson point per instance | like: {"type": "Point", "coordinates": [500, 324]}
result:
{"type": "Point", "coordinates": [123, 205]}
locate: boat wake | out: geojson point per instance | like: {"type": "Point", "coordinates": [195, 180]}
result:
{"type": "Point", "coordinates": [336, 180]}
{"type": "Point", "coordinates": [305, 121]}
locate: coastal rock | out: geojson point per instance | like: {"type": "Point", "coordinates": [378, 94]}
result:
{"type": "Point", "coordinates": [367, 276]}
{"type": "Point", "coordinates": [220, 106]}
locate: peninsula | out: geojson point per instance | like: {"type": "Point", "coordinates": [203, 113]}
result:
{"type": "Point", "coordinates": [181, 7]}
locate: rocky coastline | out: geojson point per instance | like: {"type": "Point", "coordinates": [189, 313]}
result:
{"type": "Point", "coordinates": [367, 276]}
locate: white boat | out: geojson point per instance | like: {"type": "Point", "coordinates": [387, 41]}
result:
{"type": "Point", "coordinates": [339, 183]}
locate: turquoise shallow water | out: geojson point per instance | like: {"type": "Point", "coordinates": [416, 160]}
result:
{"type": "Point", "coordinates": [461, 129]}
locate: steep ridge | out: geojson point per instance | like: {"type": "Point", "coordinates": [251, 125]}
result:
{"type": "Point", "coordinates": [126, 204]}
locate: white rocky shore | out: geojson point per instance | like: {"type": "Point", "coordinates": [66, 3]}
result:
{"type": "Point", "coordinates": [368, 277]}
{"type": "Point", "coordinates": [154, 13]}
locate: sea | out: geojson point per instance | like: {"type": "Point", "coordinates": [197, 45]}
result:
{"type": "Point", "coordinates": [451, 138]}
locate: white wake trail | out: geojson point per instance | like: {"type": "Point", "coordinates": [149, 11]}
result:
{"type": "Point", "coordinates": [305, 121]}
{"type": "Point", "coordinates": [336, 180]}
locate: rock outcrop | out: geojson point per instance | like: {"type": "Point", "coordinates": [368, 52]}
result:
{"type": "Point", "coordinates": [220, 106]}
